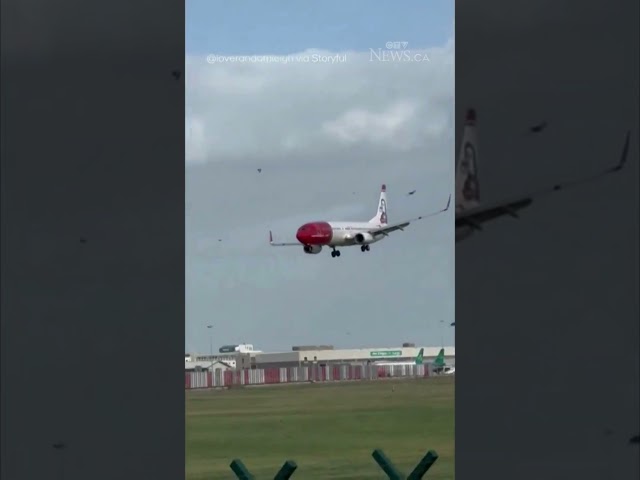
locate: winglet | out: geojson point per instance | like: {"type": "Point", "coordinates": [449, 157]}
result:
{"type": "Point", "coordinates": [625, 153]}
{"type": "Point", "coordinates": [383, 188]}
{"type": "Point", "coordinates": [436, 213]}
{"type": "Point", "coordinates": [270, 237]}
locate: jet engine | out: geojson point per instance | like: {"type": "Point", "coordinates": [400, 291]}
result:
{"type": "Point", "coordinates": [312, 249]}
{"type": "Point", "coordinates": [363, 238]}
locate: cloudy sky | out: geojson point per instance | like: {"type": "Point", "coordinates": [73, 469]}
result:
{"type": "Point", "coordinates": [325, 135]}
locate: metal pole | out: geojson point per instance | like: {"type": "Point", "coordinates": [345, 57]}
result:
{"type": "Point", "coordinates": [209, 327]}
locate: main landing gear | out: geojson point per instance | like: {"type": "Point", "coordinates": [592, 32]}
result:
{"type": "Point", "coordinates": [336, 253]}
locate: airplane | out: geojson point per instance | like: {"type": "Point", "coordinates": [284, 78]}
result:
{"type": "Point", "coordinates": [470, 213]}
{"type": "Point", "coordinates": [439, 364]}
{"type": "Point", "coordinates": [314, 236]}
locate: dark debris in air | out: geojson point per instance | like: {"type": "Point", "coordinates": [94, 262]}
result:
{"type": "Point", "coordinates": [538, 128]}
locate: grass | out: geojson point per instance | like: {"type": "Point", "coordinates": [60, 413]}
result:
{"type": "Point", "coordinates": [329, 430]}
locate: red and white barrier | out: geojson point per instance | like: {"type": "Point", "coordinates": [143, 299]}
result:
{"type": "Point", "coordinates": [267, 376]}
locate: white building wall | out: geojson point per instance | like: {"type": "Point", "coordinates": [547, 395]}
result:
{"type": "Point", "coordinates": [281, 357]}
{"type": "Point", "coordinates": [358, 354]}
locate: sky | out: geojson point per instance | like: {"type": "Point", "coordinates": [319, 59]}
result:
{"type": "Point", "coordinates": [284, 26]}
{"type": "Point", "coordinates": [326, 136]}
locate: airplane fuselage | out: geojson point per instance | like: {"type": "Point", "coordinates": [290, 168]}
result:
{"type": "Point", "coordinates": [337, 234]}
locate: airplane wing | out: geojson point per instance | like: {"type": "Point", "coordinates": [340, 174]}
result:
{"type": "Point", "coordinates": [274, 244]}
{"type": "Point", "coordinates": [475, 217]}
{"type": "Point", "coordinates": [387, 229]}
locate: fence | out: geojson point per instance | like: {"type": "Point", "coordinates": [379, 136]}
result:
{"type": "Point", "coordinates": [289, 467]}
{"type": "Point", "coordinates": [313, 373]}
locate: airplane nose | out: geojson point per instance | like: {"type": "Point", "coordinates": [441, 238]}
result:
{"type": "Point", "coordinates": [318, 233]}
{"type": "Point", "coordinates": [303, 234]}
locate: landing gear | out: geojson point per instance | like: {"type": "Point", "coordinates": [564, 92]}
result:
{"type": "Point", "coordinates": [335, 253]}
{"type": "Point", "coordinates": [364, 248]}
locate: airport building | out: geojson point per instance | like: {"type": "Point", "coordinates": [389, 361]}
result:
{"type": "Point", "coordinates": [327, 355]}
{"type": "Point", "coordinates": [245, 357]}
{"type": "Point", "coordinates": [225, 359]}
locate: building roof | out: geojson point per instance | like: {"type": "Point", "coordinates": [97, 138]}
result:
{"type": "Point", "coordinates": [206, 365]}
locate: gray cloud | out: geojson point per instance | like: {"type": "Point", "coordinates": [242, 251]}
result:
{"type": "Point", "coordinates": [241, 110]}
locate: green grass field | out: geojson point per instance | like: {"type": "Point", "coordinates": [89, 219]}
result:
{"type": "Point", "coordinates": [329, 430]}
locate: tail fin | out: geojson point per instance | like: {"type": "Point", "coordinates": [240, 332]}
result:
{"type": "Point", "coordinates": [419, 360]}
{"type": "Point", "coordinates": [439, 361]}
{"type": "Point", "coordinates": [467, 185]}
{"type": "Point", "coordinates": [381, 214]}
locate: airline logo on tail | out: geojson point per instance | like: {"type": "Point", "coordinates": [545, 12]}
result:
{"type": "Point", "coordinates": [419, 359]}
{"type": "Point", "coordinates": [381, 215]}
{"type": "Point", "coordinates": [467, 185]}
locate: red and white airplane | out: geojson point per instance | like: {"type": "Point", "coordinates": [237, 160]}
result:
{"type": "Point", "coordinates": [471, 214]}
{"type": "Point", "coordinates": [314, 236]}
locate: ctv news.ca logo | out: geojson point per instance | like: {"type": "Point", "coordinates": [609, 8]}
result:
{"type": "Point", "coordinates": [396, 52]}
